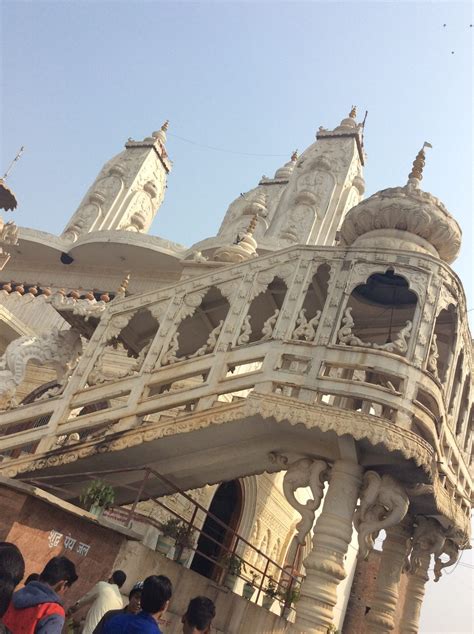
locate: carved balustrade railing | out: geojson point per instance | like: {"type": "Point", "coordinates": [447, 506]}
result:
{"type": "Point", "coordinates": [303, 357]}
{"type": "Point", "coordinates": [297, 369]}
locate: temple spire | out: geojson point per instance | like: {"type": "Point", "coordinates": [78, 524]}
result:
{"type": "Point", "coordinates": [127, 192]}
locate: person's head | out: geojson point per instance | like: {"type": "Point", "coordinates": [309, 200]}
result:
{"type": "Point", "coordinates": [199, 615]}
{"type": "Point", "coordinates": [12, 569]}
{"type": "Point", "coordinates": [118, 577]}
{"type": "Point", "coordinates": [33, 577]}
{"type": "Point", "coordinates": [134, 598]}
{"type": "Point", "coordinates": [59, 573]}
{"type": "Point", "coordinates": [156, 594]}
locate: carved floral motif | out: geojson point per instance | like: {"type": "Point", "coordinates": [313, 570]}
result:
{"type": "Point", "coordinates": [345, 336]}
{"type": "Point", "coordinates": [269, 326]}
{"type": "Point", "coordinates": [170, 356]}
{"type": "Point", "coordinates": [306, 330]}
{"type": "Point", "coordinates": [210, 343]}
{"type": "Point", "coordinates": [61, 348]}
{"type": "Point", "coordinates": [432, 365]}
{"type": "Point", "coordinates": [245, 332]}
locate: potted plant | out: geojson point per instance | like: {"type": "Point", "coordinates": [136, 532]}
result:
{"type": "Point", "coordinates": [184, 543]}
{"type": "Point", "coordinates": [249, 586]}
{"type": "Point", "coordinates": [289, 597]}
{"type": "Point", "coordinates": [169, 533]}
{"type": "Point", "coordinates": [97, 496]}
{"type": "Point", "coordinates": [234, 566]}
{"type": "Point", "coordinates": [270, 593]}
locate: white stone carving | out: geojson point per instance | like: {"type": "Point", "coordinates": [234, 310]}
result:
{"type": "Point", "coordinates": [346, 337]}
{"type": "Point", "coordinates": [269, 326]}
{"type": "Point", "coordinates": [60, 348]}
{"type": "Point", "coordinates": [430, 538]}
{"type": "Point", "coordinates": [344, 334]}
{"type": "Point", "coordinates": [432, 365]}
{"type": "Point", "coordinates": [170, 356]}
{"type": "Point", "coordinates": [8, 232]}
{"type": "Point", "coordinates": [400, 343]}
{"type": "Point", "coordinates": [210, 343]}
{"type": "Point", "coordinates": [117, 324]}
{"type": "Point", "coordinates": [406, 218]}
{"type": "Point", "coordinates": [86, 308]}
{"type": "Point", "coordinates": [450, 548]}
{"type": "Point", "coordinates": [245, 332]}
{"type": "Point", "coordinates": [306, 472]}
{"type": "Point", "coordinates": [383, 503]}
{"type": "Point", "coordinates": [306, 330]}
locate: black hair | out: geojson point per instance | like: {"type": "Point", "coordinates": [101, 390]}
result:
{"type": "Point", "coordinates": [200, 613]}
{"type": "Point", "coordinates": [157, 590]}
{"type": "Point", "coordinates": [134, 591]}
{"type": "Point", "coordinates": [59, 569]}
{"type": "Point", "coordinates": [33, 577]}
{"type": "Point", "coordinates": [12, 570]}
{"type": "Point", "coordinates": [119, 577]}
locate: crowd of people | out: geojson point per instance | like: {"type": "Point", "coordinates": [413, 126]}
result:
{"type": "Point", "coordinates": [37, 607]}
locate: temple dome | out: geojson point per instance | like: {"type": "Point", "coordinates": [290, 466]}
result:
{"type": "Point", "coordinates": [405, 218]}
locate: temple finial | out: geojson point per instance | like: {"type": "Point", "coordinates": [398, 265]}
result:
{"type": "Point", "coordinates": [122, 289]}
{"type": "Point", "coordinates": [353, 112]}
{"type": "Point", "coordinates": [294, 156]}
{"type": "Point", "coordinates": [160, 134]}
{"type": "Point", "coordinates": [416, 174]}
{"type": "Point", "coordinates": [252, 225]}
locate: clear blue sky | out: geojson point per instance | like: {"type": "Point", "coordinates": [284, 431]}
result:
{"type": "Point", "coordinates": [79, 78]}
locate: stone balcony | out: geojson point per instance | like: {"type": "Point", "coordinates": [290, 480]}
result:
{"type": "Point", "coordinates": [284, 352]}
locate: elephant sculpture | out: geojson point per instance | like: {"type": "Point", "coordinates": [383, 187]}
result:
{"type": "Point", "coordinates": [451, 549]}
{"type": "Point", "coordinates": [305, 472]}
{"type": "Point", "coordinates": [429, 539]}
{"type": "Point", "coordinates": [383, 503]}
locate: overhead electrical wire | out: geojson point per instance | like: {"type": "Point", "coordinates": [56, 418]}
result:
{"type": "Point", "coordinates": [220, 149]}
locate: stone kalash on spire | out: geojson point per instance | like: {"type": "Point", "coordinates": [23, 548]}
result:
{"type": "Point", "coordinates": [128, 191]}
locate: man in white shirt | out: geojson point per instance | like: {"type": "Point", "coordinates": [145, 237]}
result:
{"type": "Point", "coordinates": [105, 596]}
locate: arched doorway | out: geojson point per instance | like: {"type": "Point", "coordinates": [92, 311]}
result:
{"type": "Point", "coordinates": [226, 506]}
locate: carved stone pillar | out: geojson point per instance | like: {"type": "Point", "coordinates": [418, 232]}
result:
{"type": "Point", "coordinates": [415, 592]}
{"type": "Point", "coordinates": [325, 564]}
{"type": "Point", "coordinates": [380, 619]}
